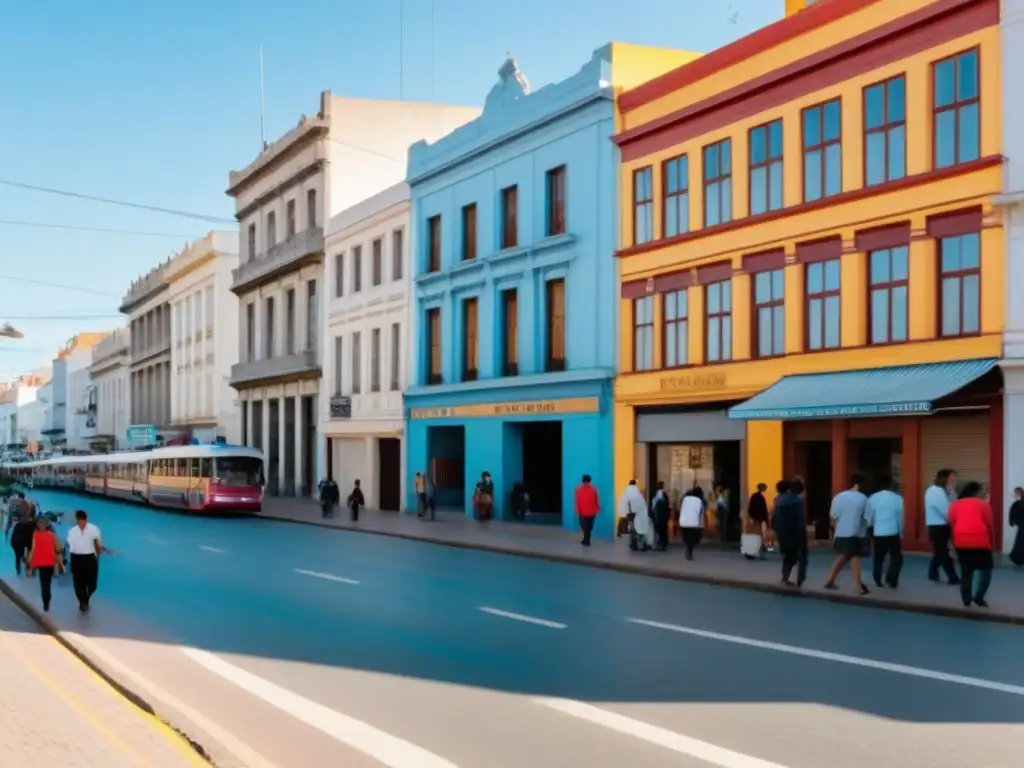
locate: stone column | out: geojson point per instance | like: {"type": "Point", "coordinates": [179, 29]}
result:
{"type": "Point", "coordinates": [282, 464]}
{"type": "Point", "coordinates": [265, 438]}
{"type": "Point", "coordinates": [300, 448]}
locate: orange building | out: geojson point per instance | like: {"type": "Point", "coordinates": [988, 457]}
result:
{"type": "Point", "coordinates": [811, 268]}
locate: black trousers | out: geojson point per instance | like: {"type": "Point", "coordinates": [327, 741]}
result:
{"type": "Point", "coordinates": [661, 531]}
{"type": "Point", "coordinates": [975, 561]}
{"type": "Point", "coordinates": [794, 554]}
{"type": "Point", "coordinates": [939, 537]}
{"type": "Point", "coordinates": [887, 546]}
{"type": "Point", "coordinates": [587, 526]}
{"type": "Point", "coordinates": [19, 556]}
{"type": "Point", "coordinates": [355, 512]}
{"type": "Point", "coordinates": [691, 538]}
{"type": "Point", "coordinates": [45, 583]}
{"type": "Point", "coordinates": [85, 573]}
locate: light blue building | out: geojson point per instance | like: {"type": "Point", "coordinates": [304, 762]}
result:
{"type": "Point", "coordinates": [515, 326]}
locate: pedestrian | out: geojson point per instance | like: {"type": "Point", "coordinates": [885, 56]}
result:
{"type": "Point", "coordinates": [884, 515]}
{"type": "Point", "coordinates": [21, 538]}
{"type": "Point", "coordinates": [588, 505]}
{"type": "Point", "coordinates": [789, 522]}
{"type": "Point", "coordinates": [483, 498]}
{"type": "Point", "coordinates": [847, 516]}
{"type": "Point", "coordinates": [691, 519]}
{"type": "Point", "coordinates": [661, 512]}
{"type": "Point", "coordinates": [937, 499]}
{"type": "Point", "coordinates": [633, 507]}
{"type": "Point", "coordinates": [85, 545]}
{"type": "Point", "coordinates": [1017, 521]}
{"type": "Point", "coordinates": [973, 530]}
{"type": "Point", "coordinates": [355, 501]}
{"type": "Point", "coordinates": [419, 484]}
{"type": "Point", "coordinates": [757, 511]}
{"type": "Point", "coordinates": [330, 494]}
{"type": "Point", "coordinates": [44, 558]}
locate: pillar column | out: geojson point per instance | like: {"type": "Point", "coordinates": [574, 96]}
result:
{"type": "Point", "coordinates": [840, 475]}
{"type": "Point", "coordinates": [282, 463]}
{"type": "Point", "coordinates": [300, 448]}
{"type": "Point", "coordinates": [369, 483]}
{"type": "Point", "coordinates": [248, 424]}
{"type": "Point", "coordinates": [265, 437]}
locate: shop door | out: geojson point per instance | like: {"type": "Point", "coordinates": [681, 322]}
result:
{"type": "Point", "coordinates": [959, 442]}
{"type": "Point", "coordinates": [389, 473]}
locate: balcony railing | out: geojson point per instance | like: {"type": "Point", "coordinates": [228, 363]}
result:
{"type": "Point", "coordinates": [282, 366]}
{"type": "Point", "coordinates": [280, 258]}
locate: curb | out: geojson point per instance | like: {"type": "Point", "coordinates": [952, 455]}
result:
{"type": "Point", "coordinates": [952, 612]}
{"type": "Point", "coordinates": [133, 697]}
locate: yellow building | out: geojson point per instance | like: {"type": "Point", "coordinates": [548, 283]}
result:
{"type": "Point", "coordinates": [808, 239]}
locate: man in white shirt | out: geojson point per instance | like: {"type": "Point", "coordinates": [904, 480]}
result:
{"type": "Point", "coordinates": [85, 545]}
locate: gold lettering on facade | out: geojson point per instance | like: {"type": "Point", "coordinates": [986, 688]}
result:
{"type": "Point", "coordinates": [696, 381]}
{"type": "Point", "coordinates": [524, 408]}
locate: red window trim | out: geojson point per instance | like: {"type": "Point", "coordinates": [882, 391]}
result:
{"type": "Point", "coordinates": [764, 261]}
{"type": "Point", "coordinates": [668, 198]}
{"type": "Point", "coordinates": [821, 296]}
{"type": "Point", "coordinates": [666, 322]}
{"type": "Point", "coordinates": [884, 128]}
{"type": "Point", "coordinates": [953, 223]}
{"type": "Point", "coordinates": [714, 273]}
{"type": "Point", "coordinates": [820, 147]}
{"type": "Point", "coordinates": [766, 163]}
{"type": "Point", "coordinates": [956, 106]}
{"type": "Point", "coordinates": [644, 202]}
{"type": "Point", "coordinates": [826, 249]}
{"type": "Point", "coordinates": [960, 274]}
{"type": "Point", "coordinates": [708, 316]}
{"type": "Point", "coordinates": [880, 238]}
{"type": "Point", "coordinates": [706, 182]}
{"type": "Point", "coordinates": [888, 286]}
{"type": "Point", "coordinates": [755, 321]}
{"type": "Point", "coordinates": [638, 326]}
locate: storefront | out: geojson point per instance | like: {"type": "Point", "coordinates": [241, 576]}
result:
{"type": "Point", "coordinates": [906, 422]}
{"type": "Point", "coordinates": [546, 438]}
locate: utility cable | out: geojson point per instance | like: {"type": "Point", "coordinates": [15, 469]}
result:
{"type": "Point", "coordinates": [61, 317]}
{"type": "Point", "coordinates": [78, 228]}
{"type": "Point", "coordinates": [61, 286]}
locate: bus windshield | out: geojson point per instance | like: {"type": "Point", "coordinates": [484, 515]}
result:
{"type": "Point", "coordinates": [239, 471]}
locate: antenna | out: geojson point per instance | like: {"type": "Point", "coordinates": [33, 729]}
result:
{"type": "Point", "coordinates": [263, 106]}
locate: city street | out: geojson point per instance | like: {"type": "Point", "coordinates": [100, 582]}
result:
{"type": "Point", "coordinates": [293, 646]}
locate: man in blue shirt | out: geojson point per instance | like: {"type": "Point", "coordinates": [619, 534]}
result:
{"type": "Point", "coordinates": [847, 516]}
{"type": "Point", "coordinates": [884, 516]}
{"type": "Point", "coordinates": [936, 516]}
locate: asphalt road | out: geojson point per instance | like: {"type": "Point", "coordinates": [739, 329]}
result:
{"type": "Point", "coordinates": [55, 712]}
{"type": "Point", "coordinates": [304, 646]}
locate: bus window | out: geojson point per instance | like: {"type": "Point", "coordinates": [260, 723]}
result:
{"type": "Point", "coordinates": [206, 468]}
{"type": "Point", "coordinates": [239, 471]}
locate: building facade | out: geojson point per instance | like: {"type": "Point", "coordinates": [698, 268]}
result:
{"type": "Point", "coordinates": [514, 225]}
{"type": "Point", "coordinates": [81, 399]}
{"type": "Point", "coordinates": [807, 234]}
{"type": "Point", "coordinates": [110, 379]}
{"type": "Point", "coordinates": [149, 321]}
{"type": "Point", "coordinates": [367, 346]}
{"type": "Point", "coordinates": [350, 150]}
{"type": "Point", "coordinates": [28, 422]}
{"type": "Point", "coordinates": [204, 338]}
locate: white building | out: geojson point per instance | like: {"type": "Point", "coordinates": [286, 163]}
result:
{"type": "Point", "coordinates": [81, 403]}
{"type": "Point", "coordinates": [149, 320]}
{"type": "Point", "coordinates": [367, 341]}
{"type": "Point", "coordinates": [28, 421]}
{"type": "Point", "coordinates": [109, 378]}
{"type": "Point", "coordinates": [352, 149]}
{"type": "Point", "coordinates": [204, 335]}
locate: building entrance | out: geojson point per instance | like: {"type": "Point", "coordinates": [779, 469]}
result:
{"type": "Point", "coordinates": [389, 473]}
{"type": "Point", "coordinates": [446, 452]}
{"type": "Point", "coordinates": [542, 469]}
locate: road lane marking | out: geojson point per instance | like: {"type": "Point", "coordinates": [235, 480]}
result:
{"type": "Point", "coordinates": [326, 576]}
{"type": "Point", "coordinates": [383, 747]}
{"type": "Point", "coordinates": [154, 540]}
{"type": "Point", "coordinates": [214, 550]}
{"type": "Point", "coordinates": [522, 617]}
{"type": "Point", "coordinates": [676, 742]}
{"type": "Point", "coordinates": [856, 661]}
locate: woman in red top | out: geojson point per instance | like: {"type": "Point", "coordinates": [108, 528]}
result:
{"type": "Point", "coordinates": [970, 517]}
{"type": "Point", "coordinates": [45, 557]}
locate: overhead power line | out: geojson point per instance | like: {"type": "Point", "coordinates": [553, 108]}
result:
{"type": "Point", "coordinates": [62, 317]}
{"type": "Point", "coordinates": [122, 203]}
{"type": "Point", "coordinates": [61, 286]}
{"type": "Point", "coordinates": [78, 228]}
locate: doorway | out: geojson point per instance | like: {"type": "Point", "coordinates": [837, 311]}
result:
{"type": "Point", "coordinates": [389, 473]}
{"type": "Point", "coordinates": [818, 486]}
{"type": "Point", "coordinates": [542, 468]}
{"type": "Point", "coordinates": [446, 459]}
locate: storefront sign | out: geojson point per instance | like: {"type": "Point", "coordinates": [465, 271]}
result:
{"type": "Point", "coordinates": [832, 412]}
{"type": "Point", "coordinates": [523, 408]}
{"type": "Point", "coordinates": [697, 381]}
{"type": "Point", "coordinates": [141, 435]}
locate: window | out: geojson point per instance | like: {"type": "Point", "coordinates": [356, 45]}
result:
{"type": "Point", "coordinates": [643, 333]}
{"type": "Point", "coordinates": [252, 242]}
{"type": "Point", "coordinates": [718, 183]}
{"type": "Point", "coordinates": [960, 300]}
{"type": "Point", "coordinates": [676, 329]}
{"type": "Point", "coordinates": [718, 329]}
{"type": "Point", "coordinates": [770, 313]}
{"type": "Point", "coordinates": [271, 230]}
{"type": "Point", "coordinates": [766, 168]}
{"type": "Point", "coordinates": [434, 244]}
{"type": "Point", "coordinates": [311, 209]}
{"type": "Point", "coordinates": [339, 275]}
{"type": "Point", "coordinates": [555, 325]}
{"type": "Point", "coordinates": [209, 308]}
{"type": "Point", "coordinates": [397, 255]}
{"type": "Point", "coordinates": [396, 356]}
{"type": "Point", "coordinates": [268, 328]}
{"type": "Point", "coordinates": [338, 364]}
{"type": "Point", "coordinates": [377, 251]}
{"type": "Point", "coordinates": [434, 346]}
{"type": "Point", "coordinates": [289, 319]}
{"type": "Point", "coordinates": [509, 217]}
{"type": "Point", "coordinates": [956, 115]}
{"type": "Point", "coordinates": [289, 216]}
{"type": "Point", "coordinates": [556, 201]}
{"type": "Point", "coordinates": [357, 268]}
{"type": "Point", "coordinates": [823, 154]}
{"type": "Point", "coordinates": [250, 332]}
{"type": "Point", "coordinates": [887, 308]}
{"type": "Point", "coordinates": [823, 310]}
{"type": "Point", "coordinates": [469, 232]}
{"type": "Point", "coordinates": [675, 174]}
{"type": "Point", "coordinates": [357, 368]}
{"type": "Point", "coordinates": [510, 332]}
{"type": "Point", "coordinates": [375, 360]}
{"type": "Point", "coordinates": [885, 131]}
{"type": "Point", "coordinates": [470, 334]}
{"type": "Point", "coordinates": [312, 316]}
{"type": "Point", "coordinates": [643, 205]}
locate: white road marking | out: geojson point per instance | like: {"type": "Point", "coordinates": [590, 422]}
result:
{"type": "Point", "coordinates": [383, 747]}
{"type": "Point", "coordinates": [885, 666]}
{"type": "Point", "coordinates": [215, 550]}
{"type": "Point", "coordinates": [676, 742]}
{"type": "Point", "coordinates": [326, 576]}
{"type": "Point", "coordinates": [154, 540]}
{"type": "Point", "coordinates": [523, 618]}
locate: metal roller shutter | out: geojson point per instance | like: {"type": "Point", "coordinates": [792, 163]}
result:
{"type": "Point", "coordinates": [958, 442]}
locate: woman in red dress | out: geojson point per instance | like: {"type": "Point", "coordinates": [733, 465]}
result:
{"type": "Point", "coordinates": [45, 557]}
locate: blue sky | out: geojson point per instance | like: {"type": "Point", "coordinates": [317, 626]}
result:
{"type": "Point", "coordinates": [153, 102]}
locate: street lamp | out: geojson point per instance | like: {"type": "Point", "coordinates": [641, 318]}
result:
{"type": "Point", "coordinates": [9, 331]}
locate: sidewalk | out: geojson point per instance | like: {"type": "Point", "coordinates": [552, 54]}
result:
{"type": "Point", "coordinates": [916, 593]}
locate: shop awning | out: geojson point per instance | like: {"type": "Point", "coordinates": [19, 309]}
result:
{"type": "Point", "coordinates": [904, 389]}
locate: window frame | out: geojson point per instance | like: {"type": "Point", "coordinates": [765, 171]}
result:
{"type": "Point", "coordinates": [959, 275]}
{"type": "Point", "coordinates": [435, 375]}
{"type": "Point", "coordinates": [720, 315]}
{"type": "Point", "coordinates": [822, 296]}
{"type": "Point", "coordinates": [822, 148]}
{"type": "Point", "coordinates": [396, 357]}
{"type": "Point", "coordinates": [767, 164]}
{"type": "Point", "coordinates": [643, 183]}
{"type": "Point", "coordinates": [643, 329]}
{"type": "Point", "coordinates": [509, 234]}
{"type": "Point", "coordinates": [377, 262]}
{"type": "Point", "coordinates": [557, 194]}
{"type": "Point", "coordinates": [681, 323]}
{"type": "Point", "coordinates": [339, 364]}
{"type": "Point", "coordinates": [434, 243]}
{"type": "Point", "coordinates": [719, 180]}
{"type": "Point", "coordinates": [555, 326]}
{"type": "Point", "coordinates": [510, 332]}
{"type": "Point", "coordinates": [467, 250]}
{"type": "Point", "coordinates": [356, 350]}
{"type": "Point", "coordinates": [339, 274]}
{"type": "Point", "coordinates": [888, 286]}
{"type": "Point", "coordinates": [357, 268]}
{"type": "Point", "coordinates": [886, 127]}
{"type": "Point", "coordinates": [375, 359]}
{"type": "Point", "coordinates": [956, 106]}
{"type": "Point", "coordinates": [772, 305]}
{"type": "Point", "coordinates": [470, 339]}
{"type": "Point", "coordinates": [397, 255]}
{"type": "Point", "coordinates": [678, 199]}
